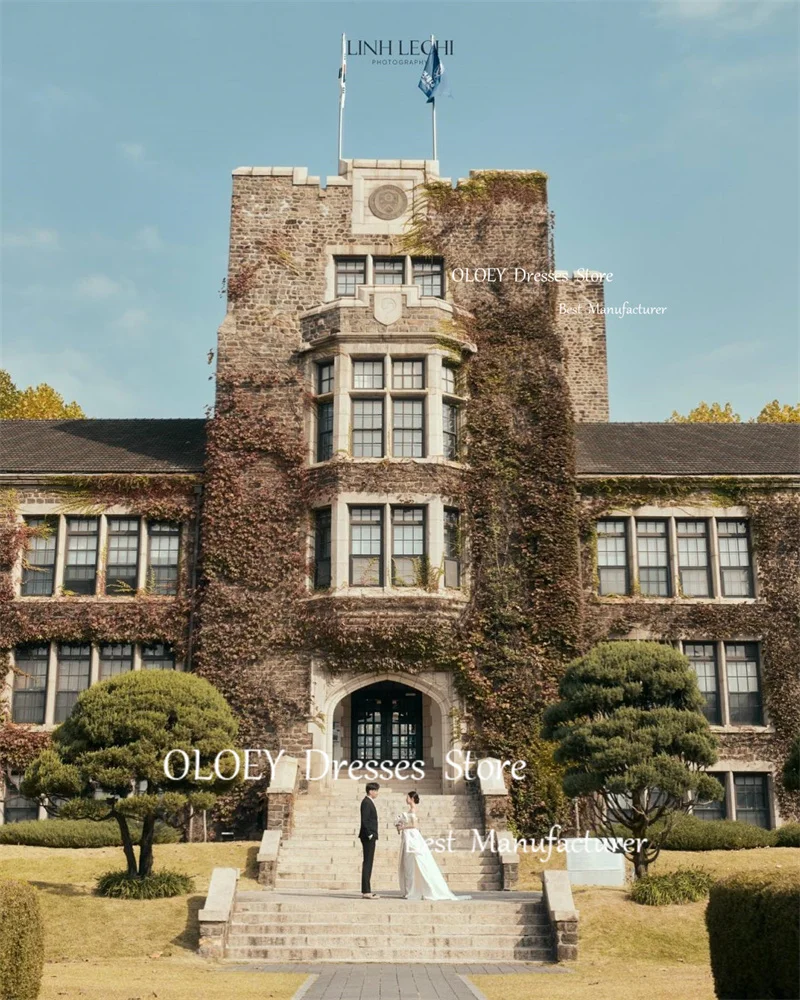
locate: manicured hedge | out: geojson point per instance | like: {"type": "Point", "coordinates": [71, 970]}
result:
{"type": "Point", "coordinates": [754, 934]}
{"type": "Point", "coordinates": [158, 885]}
{"type": "Point", "coordinates": [692, 834]}
{"type": "Point", "coordinates": [76, 833]}
{"type": "Point", "coordinates": [788, 835]}
{"type": "Point", "coordinates": [21, 941]}
{"type": "Point", "coordinates": [686, 885]}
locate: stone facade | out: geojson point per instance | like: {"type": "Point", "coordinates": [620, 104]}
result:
{"type": "Point", "coordinates": [284, 318]}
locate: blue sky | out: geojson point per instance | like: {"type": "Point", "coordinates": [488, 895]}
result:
{"type": "Point", "coordinates": [669, 131]}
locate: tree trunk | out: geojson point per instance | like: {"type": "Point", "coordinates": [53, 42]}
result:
{"type": "Point", "coordinates": [127, 843]}
{"type": "Point", "coordinates": [146, 846]}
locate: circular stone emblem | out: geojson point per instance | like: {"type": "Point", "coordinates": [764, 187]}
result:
{"type": "Point", "coordinates": [388, 202]}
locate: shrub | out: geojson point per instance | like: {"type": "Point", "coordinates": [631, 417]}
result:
{"type": "Point", "coordinates": [157, 885]}
{"type": "Point", "coordinates": [692, 834]}
{"type": "Point", "coordinates": [21, 941]}
{"type": "Point", "coordinates": [686, 885]}
{"type": "Point", "coordinates": [754, 936]}
{"type": "Point", "coordinates": [788, 835]}
{"type": "Point", "coordinates": [76, 833]}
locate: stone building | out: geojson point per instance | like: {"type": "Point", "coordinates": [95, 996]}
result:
{"type": "Point", "coordinates": [327, 495]}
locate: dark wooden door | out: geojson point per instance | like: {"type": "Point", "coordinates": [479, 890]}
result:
{"type": "Point", "coordinates": [387, 723]}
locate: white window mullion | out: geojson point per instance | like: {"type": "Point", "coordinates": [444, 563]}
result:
{"type": "Point", "coordinates": [433, 401]}
{"type": "Point", "coordinates": [369, 270]}
{"type": "Point", "coordinates": [730, 795]}
{"type": "Point", "coordinates": [435, 540]}
{"type": "Point", "coordinates": [61, 554]}
{"type": "Point", "coordinates": [633, 555]}
{"type": "Point", "coordinates": [340, 545]}
{"type": "Point", "coordinates": [50, 695]}
{"type": "Point", "coordinates": [672, 555]}
{"type": "Point", "coordinates": [102, 555]}
{"type": "Point", "coordinates": [137, 656]}
{"type": "Point", "coordinates": [713, 544]}
{"type": "Point", "coordinates": [722, 681]}
{"type": "Point", "coordinates": [94, 664]}
{"type": "Point", "coordinates": [144, 538]}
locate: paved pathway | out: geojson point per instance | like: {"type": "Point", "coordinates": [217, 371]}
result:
{"type": "Point", "coordinates": [395, 982]}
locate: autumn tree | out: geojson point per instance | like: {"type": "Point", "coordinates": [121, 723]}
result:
{"type": "Point", "coordinates": [40, 402]}
{"type": "Point", "coordinates": [634, 740]}
{"type": "Point", "coordinates": [723, 413]}
{"type": "Point", "coordinates": [107, 759]}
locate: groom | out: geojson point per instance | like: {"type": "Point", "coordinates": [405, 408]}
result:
{"type": "Point", "coordinates": [368, 835]}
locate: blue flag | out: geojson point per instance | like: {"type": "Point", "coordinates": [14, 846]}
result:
{"type": "Point", "coordinates": [432, 74]}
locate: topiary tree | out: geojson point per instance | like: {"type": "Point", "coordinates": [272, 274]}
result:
{"type": "Point", "coordinates": [791, 769]}
{"type": "Point", "coordinates": [632, 735]}
{"type": "Point", "coordinates": [107, 759]}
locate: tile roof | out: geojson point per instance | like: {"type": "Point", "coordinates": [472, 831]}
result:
{"type": "Point", "coordinates": [688, 449]}
{"type": "Point", "coordinates": [86, 446]}
{"type": "Point", "coordinates": [76, 446]}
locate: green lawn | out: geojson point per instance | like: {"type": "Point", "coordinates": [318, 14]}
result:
{"type": "Point", "coordinates": [632, 952]}
{"type": "Point", "coordinates": [110, 949]}
{"type": "Point", "coordinates": [106, 949]}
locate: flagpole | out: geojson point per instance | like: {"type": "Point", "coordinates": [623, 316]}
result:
{"type": "Point", "coordinates": [342, 84]}
{"type": "Point", "coordinates": [433, 112]}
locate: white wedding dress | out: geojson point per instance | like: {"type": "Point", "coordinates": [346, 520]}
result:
{"type": "Point", "coordinates": [420, 877]}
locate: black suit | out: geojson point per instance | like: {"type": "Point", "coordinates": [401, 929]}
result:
{"type": "Point", "coordinates": [368, 835]}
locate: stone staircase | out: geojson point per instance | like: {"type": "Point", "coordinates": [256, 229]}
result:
{"type": "Point", "coordinates": [324, 852]}
{"type": "Point", "coordinates": [309, 927]}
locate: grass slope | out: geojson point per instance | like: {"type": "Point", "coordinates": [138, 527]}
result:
{"type": "Point", "coordinates": [632, 952]}
{"type": "Point", "coordinates": [110, 949]}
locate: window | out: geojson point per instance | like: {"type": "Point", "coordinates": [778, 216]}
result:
{"type": "Point", "coordinates": [324, 431]}
{"type": "Point", "coordinates": [408, 428]}
{"type": "Point", "coordinates": [367, 428]}
{"type": "Point", "coordinates": [612, 557]}
{"type": "Point", "coordinates": [16, 808]}
{"type": "Point", "coordinates": [408, 374]}
{"type": "Point", "coordinates": [452, 549]}
{"type": "Point", "coordinates": [115, 658]}
{"type": "Point", "coordinates": [80, 571]}
{"type": "Point", "coordinates": [712, 810]}
{"type": "Point", "coordinates": [429, 275]}
{"type": "Point", "coordinates": [450, 431]}
{"type": "Point", "coordinates": [368, 374]}
{"type": "Point", "coordinates": [651, 544]}
{"type": "Point", "coordinates": [734, 559]}
{"type": "Point", "coordinates": [30, 684]}
{"type": "Point", "coordinates": [752, 804]}
{"type": "Point", "coordinates": [744, 694]}
{"type": "Point", "coordinates": [162, 570]}
{"type": "Point", "coordinates": [74, 664]}
{"type": "Point", "coordinates": [350, 273]}
{"type": "Point", "coordinates": [366, 546]}
{"type": "Point", "coordinates": [324, 377]}
{"type": "Point", "coordinates": [408, 547]}
{"type": "Point", "coordinates": [693, 561]}
{"type": "Point", "coordinates": [158, 656]}
{"type": "Point", "coordinates": [449, 379]}
{"type": "Point", "coordinates": [39, 563]}
{"type": "Point", "coordinates": [122, 562]}
{"type": "Point", "coordinates": [703, 658]}
{"type": "Point", "coordinates": [388, 270]}
{"type": "Point", "coordinates": [322, 549]}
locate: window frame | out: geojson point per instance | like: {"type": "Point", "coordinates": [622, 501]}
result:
{"type": "Point", "coordinates": [452, 560]}
{"type": "Point", "coordinates": [320, 514]}
{"type": "Point", "coordinates": [681, 567]}
{"type": "Point", "coordinates": [381, 555]}
{"type": "Point", "coordinates": [67, 696]}
{"type": "Point", "coordinates": [750, 575]}
{"type": "Point", "coordinates": [434, 262]}
{"type": "Point", "coordinates": [32, 570]}
{"type": "Point", "coordinates": [149, 656]}
{"type": "Point", "coordinates": [324, 443]}
{"type": "Point", "coordinates": [114, 658]}
{"type": "Point", "coordinates": [421, 557]}
{"type": "Point", "coordinates": [755, 658]}
{"type": "Point", "coordinates": [398, 432]}
{"type": "Point", "coordinates": [338, 274]}
{"type": "Point", "coordinates": [357, 400]}
{"type": "Point", "coordinates": [107, 585]}
{"type": "Point", "coordinates": [176, 531]}
{"type": "Point", "coordinates": [72, 533]}
{"type": "Point", "coordinates": [714, 658]}
{"type": "Point", "coordinates": [20, 686]}
{"type": "Point", "coordinates": [624, 566]}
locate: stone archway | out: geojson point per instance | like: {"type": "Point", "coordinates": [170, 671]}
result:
{"type": "Point", "coordinates": [442, 708]}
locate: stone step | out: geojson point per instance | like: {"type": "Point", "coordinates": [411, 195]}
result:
{"type": "Point", "coordinates": [366, 938]}
{"type": "Point", "coordinates": [381, 884]}
{"type": "Point", "coordinates": [291, 923]}
{"type": "Point", "coordinates": [373, 953]}
{"type": "Point", "coordinates": [451, 862]}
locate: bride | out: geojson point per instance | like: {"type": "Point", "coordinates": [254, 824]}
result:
{"type": "Point", "coordinates": [420, 877]}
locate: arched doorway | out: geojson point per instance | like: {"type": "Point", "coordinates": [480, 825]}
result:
{"type": "Point", "coordinates": [386, 723]}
